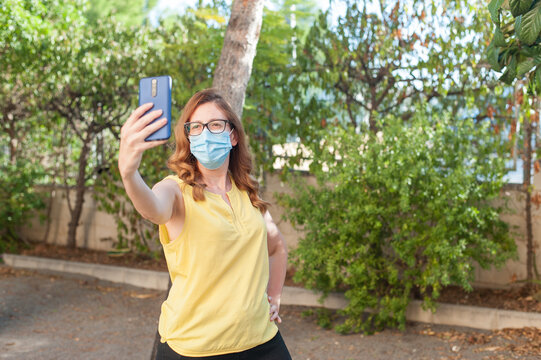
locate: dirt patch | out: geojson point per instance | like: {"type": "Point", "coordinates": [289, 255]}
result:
{"type": "Point", "coordinates": [521, 343]}
{"type": "Point", "coordinates": [515, 298]}
{"type": "Point", "coordinates": [508, 299]}
{"type": "Point", "coordinates": [132, 260]}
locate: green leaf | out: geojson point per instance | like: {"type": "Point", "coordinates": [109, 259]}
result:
{"type": "Point", "coordinates": [519, 7]}
{"type": "Point", "coordinates": [531, 51]}
{"type": "Point", "coordinates": [494, 9]}
{"type": "Point", "coordinates": [538, 81]}
{"type": "Point", "coordinates": [526, 65]}
{"type": "Point", "coordinates": [518, 25]}
{"type": "Point", "coordinates": [531, 25]}
{"type": "Point", "coordinates": [493, 56]}
{"type": "Point", "coordinates": [499, 40]}
{"type": "Point", "coordinates": [511, 71]}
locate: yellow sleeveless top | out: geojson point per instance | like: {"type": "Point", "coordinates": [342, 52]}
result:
{"type": "Point", "coordinates": [219, 269]}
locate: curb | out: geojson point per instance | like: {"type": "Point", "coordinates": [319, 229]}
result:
{"type": "Point", "coordinates": [446, 314]}
{"type": "Point", "coordinates": [476, 317]}
{"type": "Point", "coordinates": [156, 280]}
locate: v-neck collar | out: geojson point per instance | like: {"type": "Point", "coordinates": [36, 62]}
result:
{"type": "Point", "coordinates": [230, 194]}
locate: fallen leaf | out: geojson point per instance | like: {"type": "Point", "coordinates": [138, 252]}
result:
{"type": "Point", "coordinates": [490, 348]}
{"type": "Point", "coordinates": [142, 296]}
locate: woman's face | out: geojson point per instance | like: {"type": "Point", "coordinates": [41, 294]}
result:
{"type": "Point", "coordinates": [208, 112]}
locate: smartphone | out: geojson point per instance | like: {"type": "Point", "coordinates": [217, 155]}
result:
{"type": "Point", "coordinates": [157, 90]}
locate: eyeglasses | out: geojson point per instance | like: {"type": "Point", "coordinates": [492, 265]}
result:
{"type": "Point", "coordinates": [215, 126]}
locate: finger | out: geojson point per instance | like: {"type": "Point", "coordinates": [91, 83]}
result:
{"type": "Point", "coordinates": [144, 121]}
{"type": "Point", "coordinates": [137, 113]}
{"type": "Point", "coordinates": [134, 117]}
{"type": "Point", "coordinates": [276, 317]}
{"type": "Point", "coordinates": [154, 143]}
{"type": "Point", "coordinates": [150, 129]}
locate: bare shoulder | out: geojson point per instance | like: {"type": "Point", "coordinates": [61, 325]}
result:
{"type": "Point", "coordinates": [169, 197]}
{"type": "Point", "coordinates": [168, 186]}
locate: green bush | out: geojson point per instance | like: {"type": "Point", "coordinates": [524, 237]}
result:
{"type": "Point", "coordinates": [398, 214]}
{"type": "Point", "coordinates": [19, 200]}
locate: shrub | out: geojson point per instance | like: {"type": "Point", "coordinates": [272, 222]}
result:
{"type": "Point", "coordinates": [399, 213]}
{"type": "Point", "coordinates": [19, 200]}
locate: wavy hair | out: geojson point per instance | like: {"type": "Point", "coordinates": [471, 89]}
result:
{"type": "Point", "coordinates": [184, 164]}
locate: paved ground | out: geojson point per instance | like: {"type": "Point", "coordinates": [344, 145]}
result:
{"type": "Point", "coordinates": [57, 316]}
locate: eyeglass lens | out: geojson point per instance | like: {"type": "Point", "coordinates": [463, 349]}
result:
{"type": "Point", "coordinates": [215, 127]}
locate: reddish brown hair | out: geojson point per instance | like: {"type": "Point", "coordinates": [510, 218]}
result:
{"type": "Point", "coordinates": [184, 164]}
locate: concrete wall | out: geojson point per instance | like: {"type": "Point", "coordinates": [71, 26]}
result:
{"type": "Point", "coordinates": [273, 186]}
{"type": "Point", "coordinates": [516, 270]}
{"type": "Point", "coordinates": [97, 229]}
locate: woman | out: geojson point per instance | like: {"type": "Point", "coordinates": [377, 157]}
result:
{"type": "Point", "coordinates": [225, 255]}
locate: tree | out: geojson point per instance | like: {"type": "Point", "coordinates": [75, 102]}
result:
{"type": "Point", "coordinates": [92, 95]}
{"type": "Point", "coordinates": [383, 58]}
{"type": "Point", "coordinates": [402, 56]}
{"type": "Point", "coordinates": [235, 66]}
{"type": "Point", "coordinates": [28, 32]}
{"type": "Point", "coordinates": [130, 13]}
{"type": "Point", "coordinates": [515, 50]}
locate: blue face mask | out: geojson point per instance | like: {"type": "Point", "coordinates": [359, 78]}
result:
{"type": "Point", "coordinates": [210, 149]}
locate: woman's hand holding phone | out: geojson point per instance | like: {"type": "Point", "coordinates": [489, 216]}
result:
{"type": "Point", "coordinates": [132, 138]}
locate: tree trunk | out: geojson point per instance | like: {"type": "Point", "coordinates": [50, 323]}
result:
{"type": "Point", "coordinates": [530, 254]}
{"type": "Point", "coordinates": [80, 190]}
{"type": "Point", "coordinates": [9, 128]}
{"type": "Point", "coordinates": [238, 52]}
{"type": "Point", "coordinates": [372, 125]}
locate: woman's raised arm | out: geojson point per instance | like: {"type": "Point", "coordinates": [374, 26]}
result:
{"type": "Point", "coordinates": [157, 204]}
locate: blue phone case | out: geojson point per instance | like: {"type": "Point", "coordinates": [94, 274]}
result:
{"type": "Point", "coordinates": [157, 90]}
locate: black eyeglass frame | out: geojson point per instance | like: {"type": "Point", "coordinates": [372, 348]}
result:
{"type": "Point", "coordinates": [205, 125]}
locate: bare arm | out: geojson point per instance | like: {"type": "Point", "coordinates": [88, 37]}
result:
{"type": "Point", "coordinates": [278, 264]}
{"type": "Point", "coordinates": [155, 205]}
